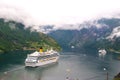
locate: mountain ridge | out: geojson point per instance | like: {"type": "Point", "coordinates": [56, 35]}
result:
{"type": "Point", "coordinates": [90, 36]}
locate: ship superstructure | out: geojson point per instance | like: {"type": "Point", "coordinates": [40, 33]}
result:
{"type": "Point", "coordinates": [102, 52]}
{"type": "Point", "coordinates": [41, 58]}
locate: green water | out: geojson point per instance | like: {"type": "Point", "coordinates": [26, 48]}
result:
{"type": "Point", "coordinates": [80, 66]}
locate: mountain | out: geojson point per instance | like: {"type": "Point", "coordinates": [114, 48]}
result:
{"type": "Point", "coordinates": [15, 36]}
{"type": "Point", "coordinates": [90, 35]}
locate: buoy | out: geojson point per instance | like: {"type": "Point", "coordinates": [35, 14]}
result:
{"type": "Point", "coordinates": [104, 69]}
{"type": "Point", "coordinates": [67, 78]}
{"type": "Point", "coordinates": [72, 46]}
{"type": "Point", "coordinates": [68, 70]}
{"type": "Point", "coordinates": [5, 72]}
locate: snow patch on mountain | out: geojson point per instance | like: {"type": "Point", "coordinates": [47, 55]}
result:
{"type": "Point", "coordinates": [115, 33]}
{"type": "Point", "coordinates": [87, 25]}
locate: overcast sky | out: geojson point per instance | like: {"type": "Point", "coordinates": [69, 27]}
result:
{"type": "Point", "coordinates": [59, 11]}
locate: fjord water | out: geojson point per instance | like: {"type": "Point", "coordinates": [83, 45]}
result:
{"type": "Point", "coordinates": [81, 66]}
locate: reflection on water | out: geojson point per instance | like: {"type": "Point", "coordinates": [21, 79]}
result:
{"type": "Point", "coordinates": [80, 66]}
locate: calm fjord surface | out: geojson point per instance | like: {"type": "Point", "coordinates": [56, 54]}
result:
{"type": "Point", "coordinates": [80, 66]}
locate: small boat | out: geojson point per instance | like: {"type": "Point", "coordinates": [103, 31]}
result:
{"type": "Point", "coordinates": [102, 52]}
{"type": "Point", "coordinates": [41, 58]}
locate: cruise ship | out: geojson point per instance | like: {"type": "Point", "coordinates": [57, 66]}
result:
{"type": "Point", "coordinates": [102, 52]}
{"type": "Point", "coordinates": [41, 58]}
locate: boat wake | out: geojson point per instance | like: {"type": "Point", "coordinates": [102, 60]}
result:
{"type": "Point", "coordinates": [15, 69]}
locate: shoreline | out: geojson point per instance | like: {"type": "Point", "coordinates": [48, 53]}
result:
{"type": "Point", "coordinates": [111, 50]}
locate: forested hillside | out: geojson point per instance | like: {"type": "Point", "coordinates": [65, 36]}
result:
{"type": "Point", "coordinates": [14, 36]}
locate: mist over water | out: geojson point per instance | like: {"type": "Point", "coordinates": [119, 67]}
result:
{"type": "Point", "coordinates": [80, 66]}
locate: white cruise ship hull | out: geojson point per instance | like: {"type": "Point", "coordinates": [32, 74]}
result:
{"type": "Point", "coordinates": [42, 63]}
{"type": "Point", "coordinates": [41, 58]}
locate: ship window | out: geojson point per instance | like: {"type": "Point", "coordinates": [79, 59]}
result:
{"type": "Point", "coordinates": [47, 56]}
{"type": "Point", "coordinates": [31, 57]}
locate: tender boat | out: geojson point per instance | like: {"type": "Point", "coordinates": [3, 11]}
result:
{"type": "Point", "coordinates": [102, 52]}
{"type": "Point", "coordinates": [41, 58]}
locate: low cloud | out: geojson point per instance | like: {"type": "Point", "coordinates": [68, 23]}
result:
{"type": "Point", "coordinates": [19, 15]}
{"type": "Point", "coordinates": [115, 33]}
{"type": "Point", "coordinates": [16, 14]}
{"type": "Point", "coordinates": [87, 25]}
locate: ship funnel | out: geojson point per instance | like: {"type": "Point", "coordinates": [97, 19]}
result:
{"type": "Point", "coordinates": [41, 50]}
